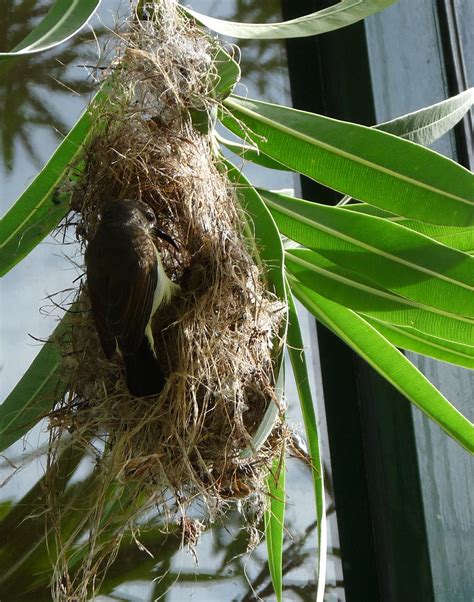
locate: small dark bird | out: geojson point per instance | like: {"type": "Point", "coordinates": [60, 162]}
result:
{"type": "Point", "coordinates": [127, 284]}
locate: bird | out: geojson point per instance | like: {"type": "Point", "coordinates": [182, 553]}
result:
{"type": "Point", "coordinates": [127, 284]}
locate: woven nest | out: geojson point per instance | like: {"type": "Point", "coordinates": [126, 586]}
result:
{"type": "Point", "coordinates": [216, 342]}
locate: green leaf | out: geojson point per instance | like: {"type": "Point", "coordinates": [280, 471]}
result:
{"type": "Point", "coordinates": [20, 556]}
{"type": "Point", "coordinates": [249, 153]}
{"type": "Point", "coordinates": [334, 17]}
{"type": "Point", "coordinates": [424, 126]}
{"type": "Point", "coordinates": [265, 232]}
{"type": "Point", "coordinates": [430, 123]}
{"type": "Point", "coordinates": [418, 342]}
{"type": "Point", "coordinates": [35, 394]}
{"type": "Point", "coordinates": [204, 120]}
{"type": "Point", "coordinates": [224, 75]}
{"type": "Point", "coordinates": [396, 258]}
{"type": "Point", "coordinates": [363, 162]}
{"type": "Point", "coordinates": [39, 208]}
{"type": "Point", "coordinates": [64, 19]}
{"type": "Point", "coordinates": [461, 239]}
{"type": "Point", "coordinates": [227, 73]}
{"type": "Point", "coordinates": [389, 362]}
{"type": "Point", "coordinates": [300, 371]}
{"type": "Point", "coordinates": [360, 294]}
{"type": "Point", "coordinates": [274, 524]}
{"type": "Point", "coordinates": [451, 236]}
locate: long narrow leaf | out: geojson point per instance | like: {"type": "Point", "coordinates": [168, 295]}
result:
{"type": "Point", "coordinates": [265, 231]}
{"type": "Point", "coordinates": [31, 538]}
{"type": "Point", "coordinates": [451, 236]}
{"type": "Point", "coordinates": [36, 392]}
{"type": "Point", "coordinates": [394, 257]}
{"type": "Point", "coordinates": [430, 123]}
{"type": "Point", "coordinates": [363, 296]}
{"type": "Point", "coordinates": [334, 17]}
{"type": "Point", "coordinates": [461, 239]}
{"type": "Point", "coordinates": [39, 209]}
{"type": "Point", "coordinates": [274, 524]}
{"type": "Point", "coordinates": [363, 162]}
{"type": "Point", "coordinates": [227, 73]}
{"type": "Point", "coordinates": [269, 250]}
{"type": "Point", "coordinates": [416, 341]}
{"type": "Point", "coordinates": [389, 362]}
{"type": "Point", "coordinates": [300, 371]}
{"type": "Point", "coordinates": [64, 19]}
{"type": "Point", "coordinates": [249, 153]}
{"type": "Point", "coordinates": [424, 126]}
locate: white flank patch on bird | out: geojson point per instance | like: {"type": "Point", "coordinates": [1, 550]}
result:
{"type": "Point", "coordinates": [165, 289]}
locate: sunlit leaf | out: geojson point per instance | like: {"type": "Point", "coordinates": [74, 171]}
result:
{"type": "Point", "coordinates": [300, 371]}
{"type": "Point", "coordinates": [396, 258]}
{"type": "Point", "coordinates": [64, 19]}
{"type": "Point", "coordinates": [334, 17]}
{"type": "Point", "coordinates": [389, 362]}
{"type": "Point", "coordinates": [418, 342]}
{"type": "Point", "coordinates": [40, 208]}
{"type": "Point", "coordinates": [274, 524]}
{"type": "Point", "coordinates": [451, 236]}
{"type": "Point", "coordinates": [249, 153]}
{"type": "Point", "coordinates": [365, 163]}
{"type": "Point", "coordinates": [269, 248]}
{"type": "Point", "coordinates": [264, 230]}
{"type": "Point", "coordinates": [364, 296]}
{"type": "Point", "coordinates": [430, 123]}
{"type": "Point", "coordinates": [263, 234]}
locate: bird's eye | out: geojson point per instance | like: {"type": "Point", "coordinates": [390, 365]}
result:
{"type": "Point", "coordinates": [150, 216]}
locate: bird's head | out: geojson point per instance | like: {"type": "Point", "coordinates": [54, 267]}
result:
{"type": "Point", "coordinates": [137, 212]}
{"type": "Point", "coordinates": [122, 211]}
{"type": "Point", "coordinates": [145, 215]}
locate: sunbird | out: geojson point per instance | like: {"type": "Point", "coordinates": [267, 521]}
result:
{"type": "Point", "coordinates": [127, 285]}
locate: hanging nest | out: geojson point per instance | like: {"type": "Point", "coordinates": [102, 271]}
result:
{"type": "Point", "coordinates": [216, 342]}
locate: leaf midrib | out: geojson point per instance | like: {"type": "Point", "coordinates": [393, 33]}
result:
{"type": "Point", "coordinates": [432, 124]}
{"type": "Point", "coordinates": [32, 396]}
{"type": "Point", "coordinates": [347, 155]}
{"type": "Point", "coordinates": [50, 32]}
{"type": "Point", "coordinates": [384, 294]}
{"type": "Point", "coordinates": [322, 14]}
{"type": "Point", "coordinates": [411, 335]}
{"type": "Point", "coordinates": [361, 351]}
{"type": "Point", "coordinates": [314, 224]}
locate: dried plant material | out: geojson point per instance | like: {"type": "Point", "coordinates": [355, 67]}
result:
{"type": "Point", "coordinates": [177, 453]}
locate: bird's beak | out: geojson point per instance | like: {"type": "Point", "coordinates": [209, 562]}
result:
{"type": "Point", "coordinates": [164, 236]}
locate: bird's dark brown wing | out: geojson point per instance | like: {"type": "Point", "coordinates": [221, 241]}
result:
{"type": "Point", "coordinates": [122, 277]}
{"type": "Point", "coordinates": [131, 292]}
{"type": "Point", "coordinates": [98, 285]}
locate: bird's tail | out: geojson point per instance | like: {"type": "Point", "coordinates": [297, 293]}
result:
{"type": "Point", "coordinates": [144, 376]}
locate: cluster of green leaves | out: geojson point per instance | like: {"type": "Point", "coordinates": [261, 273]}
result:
{"type": "Point", "coordinates": [392, 269]}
